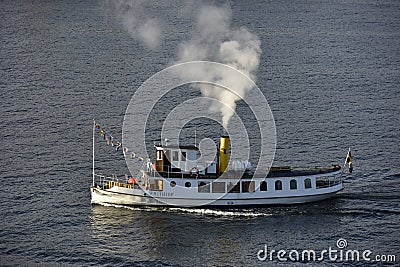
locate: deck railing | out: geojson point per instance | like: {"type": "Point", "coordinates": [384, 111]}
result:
{"type": "Point", "coordinates": [107, 182]}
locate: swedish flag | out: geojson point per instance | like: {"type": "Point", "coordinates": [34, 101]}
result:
{"type": "Point", "coordinates": [349, 161]}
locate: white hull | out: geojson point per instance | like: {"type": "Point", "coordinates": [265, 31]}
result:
{"type": "Point", "coordinates": [179, 196]}
{"type": "Point", "coordinates": [105, 197]}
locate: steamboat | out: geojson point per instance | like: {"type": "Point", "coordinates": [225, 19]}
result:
{"type": "Point", "coordinates": [177, 179]}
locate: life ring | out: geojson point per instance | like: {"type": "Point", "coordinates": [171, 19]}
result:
{"type": "Point", "coordinates": [133, 181]}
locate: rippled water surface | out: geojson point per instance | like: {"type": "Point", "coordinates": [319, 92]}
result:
{"type": "Point", "coordinates": [329, 69]}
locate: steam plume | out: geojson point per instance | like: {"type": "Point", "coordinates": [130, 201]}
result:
{"type": "Point", "coordinates": [216, 40]}
{"type": "Point", "coordinates": [139, 24]}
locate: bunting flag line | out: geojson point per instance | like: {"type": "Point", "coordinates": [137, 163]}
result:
{"type": "Point", "coordinates": [118, 146]}
{"type": "Point", "coordinates": [110, 140]}
{"type": "Point", "coordinates": [125, 151]}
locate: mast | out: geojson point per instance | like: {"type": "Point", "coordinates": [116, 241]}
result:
{"type": "Point", "coordinates": [94, 127]}
{"type": "Point", "coordinates": [195, 136]}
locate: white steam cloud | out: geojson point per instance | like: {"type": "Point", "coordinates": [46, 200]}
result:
{"type": "Point", "coordinates": [217, 40]}
{"type": "Point", "coordinates": [138, 23]}
{"type": "Point", "coordinates": [214, 39]}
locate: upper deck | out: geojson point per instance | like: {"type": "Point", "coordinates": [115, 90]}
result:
{"type": "Point", "coordinates": [274, 172]}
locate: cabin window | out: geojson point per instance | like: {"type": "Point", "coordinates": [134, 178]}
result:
{"type": "Point", "coordinates": [188, 184]}
{"type": "Point", "coordinates": [293, 184]}
{"type": "Point", "coordinates": [218, 187]}
{"type": "Point", "coordinates": [203, 187]}
{"type": "Point", "coordinates": [175, 156]}
{"type": "Point", "coordinates": [183, 156]}
{"type": "Point", "coordinates": [278, 185]}
{"type": "Point", "coordinates": [156, 185]}
{"type": "Point", "coordinates": [172, 183]}
{"type": "Point", "coordinates": [233, 188]}
{"type": "Point", "coordinates": [159, 154]}
{"type": "Point", "coordinates": [307, 183]}
{"type": "Point", "coordinates": [248, 186]}
{"type": "Point", "coordinates": [324, 182]}
{"type": "Point", "coordinates": [263, 186]}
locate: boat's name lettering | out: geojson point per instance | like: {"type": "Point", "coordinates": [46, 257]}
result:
{"type": "Point", "coordinates": [161, 194]}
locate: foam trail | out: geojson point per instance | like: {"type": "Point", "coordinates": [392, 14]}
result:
{"type": "Point", "coordinates": [194, 211]}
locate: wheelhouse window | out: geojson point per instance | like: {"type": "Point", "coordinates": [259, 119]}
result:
{"type": "Point", "coordinates": [263, 186]}
{"type": "Point", "coordinates": [175, 156]}
{"type": "Point", "coordinates": [293, 184]}
{"type": "Point", "coordinates": [278, 185]}
{"type": "Point", "coordinates": [307, 183]}
{"type": "Point", "coordinates": [159, 154]}
{"type": "Point", "coordinates": [183, 156]}
{"type": "Point", "coordinates": [248, 186]}
{"type": "Point", "coordinates": [167, 154]}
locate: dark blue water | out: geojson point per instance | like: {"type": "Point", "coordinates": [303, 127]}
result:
{"type": "Point", "coordinates": [329, 69]}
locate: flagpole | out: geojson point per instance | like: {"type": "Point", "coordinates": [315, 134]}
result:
{"type": "Point", "coordinates": [94, 127]}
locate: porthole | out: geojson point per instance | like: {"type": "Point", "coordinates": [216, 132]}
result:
{"type": "Point", "coordinates": [188, 184]}
{"type": "Point", "coordinates": [172, 183]}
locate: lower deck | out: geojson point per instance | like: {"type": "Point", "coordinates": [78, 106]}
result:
{"type": "Point", "coordinates": [158, 190]}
